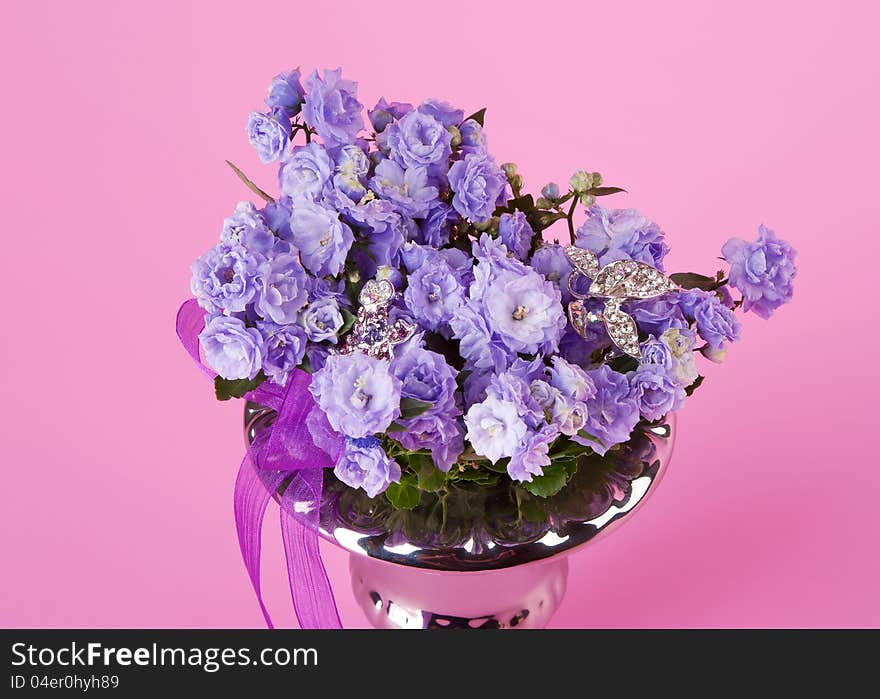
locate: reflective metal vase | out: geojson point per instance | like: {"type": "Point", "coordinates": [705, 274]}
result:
{"type": "Point", "coordinates": [485, 556]}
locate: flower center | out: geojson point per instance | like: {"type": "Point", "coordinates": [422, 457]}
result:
{"type": "Point", "coordinates": [360, 398]}
{"type": "Point", "coordinates": [227, 275]}
{"type": "Point", "coordinates": [521, 312]}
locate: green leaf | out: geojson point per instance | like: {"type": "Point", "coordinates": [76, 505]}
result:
{"type": "Point", "coordinates": [410, 408]}
{"type": "Point", "coordinates": [395, 427]}
{"type": "Point", "coordinates": [623, 364]}
{"type": "Point", "coordinates": [694, 386]}
{"type": "Point", "coordinates": [479, 116]}
{"type": "Point", "coordinates": [225, 389]}
{"type": "Point", "coordinates": [692, 280]}
{"type": "Point", "coordinates": [524, 203]}
{"type": "Point", "coordinates": [499, 466]}
{"type": "Point", "coordinates": [477, 476]}
{"type": "Point", "coordinates": [404, 495]}
{"type": "Point", "coordinates": [605, 191]}
{"type": "Point", "coordinates": [348, 319]}
{"type": "Point", "coordinates": [250, 185]}
{"type": "Point", "coordinates": [530, 508]}
{"type": "Point", "coordinates": [430, 477]}
{"type": "Point", "coordinates": [539, 220]}
{"type": "Point", "coordinates": [306, 365]}
{"type": "Point", "coordinates": [555, 477]}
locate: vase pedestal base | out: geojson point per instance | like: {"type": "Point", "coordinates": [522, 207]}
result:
{"type": "Point", "coordinates": [396, 596]}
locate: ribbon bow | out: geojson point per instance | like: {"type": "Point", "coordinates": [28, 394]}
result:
{"type": "Point", "coordinates": [284, 453]}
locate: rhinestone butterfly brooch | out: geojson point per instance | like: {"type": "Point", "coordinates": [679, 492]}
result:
{"type": "Point", "coordinates": [616, 282]}
{"type": "Point", "coordinates": [372, 333]}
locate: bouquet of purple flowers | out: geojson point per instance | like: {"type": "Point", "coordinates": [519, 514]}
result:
{"type": "Point", "coordinates": [448, 342]}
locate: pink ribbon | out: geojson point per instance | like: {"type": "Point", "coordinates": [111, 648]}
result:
{"type": "Point", "coordinates": [283, 454]}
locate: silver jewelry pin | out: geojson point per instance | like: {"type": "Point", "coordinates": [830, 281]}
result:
{"type": "Point", "coordinates": [616, 282]}
{"type": "Point", "coordinates": [372, 332]}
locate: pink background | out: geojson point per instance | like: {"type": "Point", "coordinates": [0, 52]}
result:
{"type": "Point", "coordinates": [118, 464]}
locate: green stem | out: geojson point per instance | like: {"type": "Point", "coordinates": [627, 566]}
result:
{"type": "Point", "coordinates": [570, 219]}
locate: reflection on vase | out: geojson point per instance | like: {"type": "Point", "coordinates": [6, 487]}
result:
{"type": "Point", "coordinates": [480, 556]}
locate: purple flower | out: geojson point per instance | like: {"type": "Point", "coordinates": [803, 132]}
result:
{"type": "Point", "coordinates": [525, 311]}
{"type": "Point", "coordinates": [352, 166]}
{"type": "Point", "coordinates": [543, 393]}
{"type": "Point", "coordinates": [248, 227]}
{"type": "Point", "coordinates": [478, 346]}
{"type": "Point", "coordinates": [572, 381]}
{"type": "Point", "coordinates": [434, 294]}
{"type": "Point", "coordinates": [384, 113]}
{"type": "Point", "coordinates": [494, 428]}
{"type": "Point", "coordinates": [435, 229]}
{"type": "Point", "coordinates": [407, 189]}
{"type": "Point", "coordinates": [224, 278]}
{"type": "Point", "coordinates": [277, 215]}
{"type": "Point", "coordinates": [232, 349]}
{"type": "Point", "coordinates": [656, 316]}
{"type": "Point", "coordinates": [306, 172]}
{"type": "Point", "coordinates": [283, 349]}
{"type": "Point", "coordinates": [443, 112]}
{"type": "Point", "coordinates": [425, 376]}
{"type": "Point", "coordinates": [286, 93]}
{"type": "Point", "coordinates": [569, 416]}
{"type": "Point", "coordinates": [419, 140]}
{"type": "Point", "coordinates": [380, 225]}
{"type": "Point", "coordinates": [533, 454]}
{"type": "Point", "coordinates": [680, 342]}
{"type": "Point", "coordinates": [716, 323]}
{"type": "Point", "coordinates": [268, 134]}
{"type": "Point", "coordinates": [322, 319]}
{"type": "Point", "coordinates": [494, 261]}
{"type": "Point", "coordinates": [282, 289]}
{"type": "Point", "coordinates": [622, 234]}
{"type": "Point", "coordinates": [612, 412]}
{"type": "Point", "coordinates": [321, 238]}
{"type": "Point", "coordinates": [441, 434]}
{"type": "Point", "coordinates": [550, 260]}
{"type": "Point", "coordinates": [763, 271]}
{"type": "Point", "coordinates": [479, 186]}
{"type": "Point", "coordinates": [332, 108]}
{"type": "Point", "coordinates": [472, 136]}
{"type": "Point", "coordinates": [358, 393]}
{"type": "Point", "coordinates": [364, 464]}
{"type": "Point", "coordinates": [516, 233]}
{"type": "Point", "coordinates": [656, 392]}
{"type": "Point", "coordinates": [509, 387]}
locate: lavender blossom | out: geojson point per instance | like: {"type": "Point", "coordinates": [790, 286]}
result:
{"type": "Point", "coordinates": [286, 93]}
{"type": "Point", "coordinates": [284, 347]}
{"type": "Point", "coordinates": [282, 289]}
{"type": "Point", "coordinates": [306, 172]}
{"type": "Point", "coordinates": [525, 311]}
{"type": "Point", "coordinates": [364, 464]}
{"type": "Point", "coordinates": [332, 108]}
{"type": "Point", "coordinates": [358, 393]}
{"type": "Point", "coordinates": [622, 234]}
{"type": "Point", "coordinates": [612, 412]}
{"type": "Point", "coordinates": [322, 320]}
{"type": "Point", "coordinates": [533, 454]}
{"type": "Point", "coordinates": [516, 233]}
{"type": "Point", "coordinates": [268, 134]}
{"type": "Point", "coordinates": [231, 349]}
{"type": "Point", "coordinates": [419, 140]}
{"type": "Point", "coordinates": [224, 278]}
{"type": "Point", "coordinates": [763, 271]}
{"type": "Point", "coordinates": [408, 189]}
{"type": "Point", "coordinates": [494, 428]}
{"type": "Point", "coordinates": [479, 186]}
{"type": "Point", "coordinates": [321, 238]}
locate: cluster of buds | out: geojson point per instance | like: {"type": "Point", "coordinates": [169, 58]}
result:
{"type": "Point", "coordinates": [515, 179]}
{"type": "Point", "coordinates": [582, 182]}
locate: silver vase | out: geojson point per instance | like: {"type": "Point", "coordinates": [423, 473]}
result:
{"type": "Point", "coordinates": [470, 559]}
